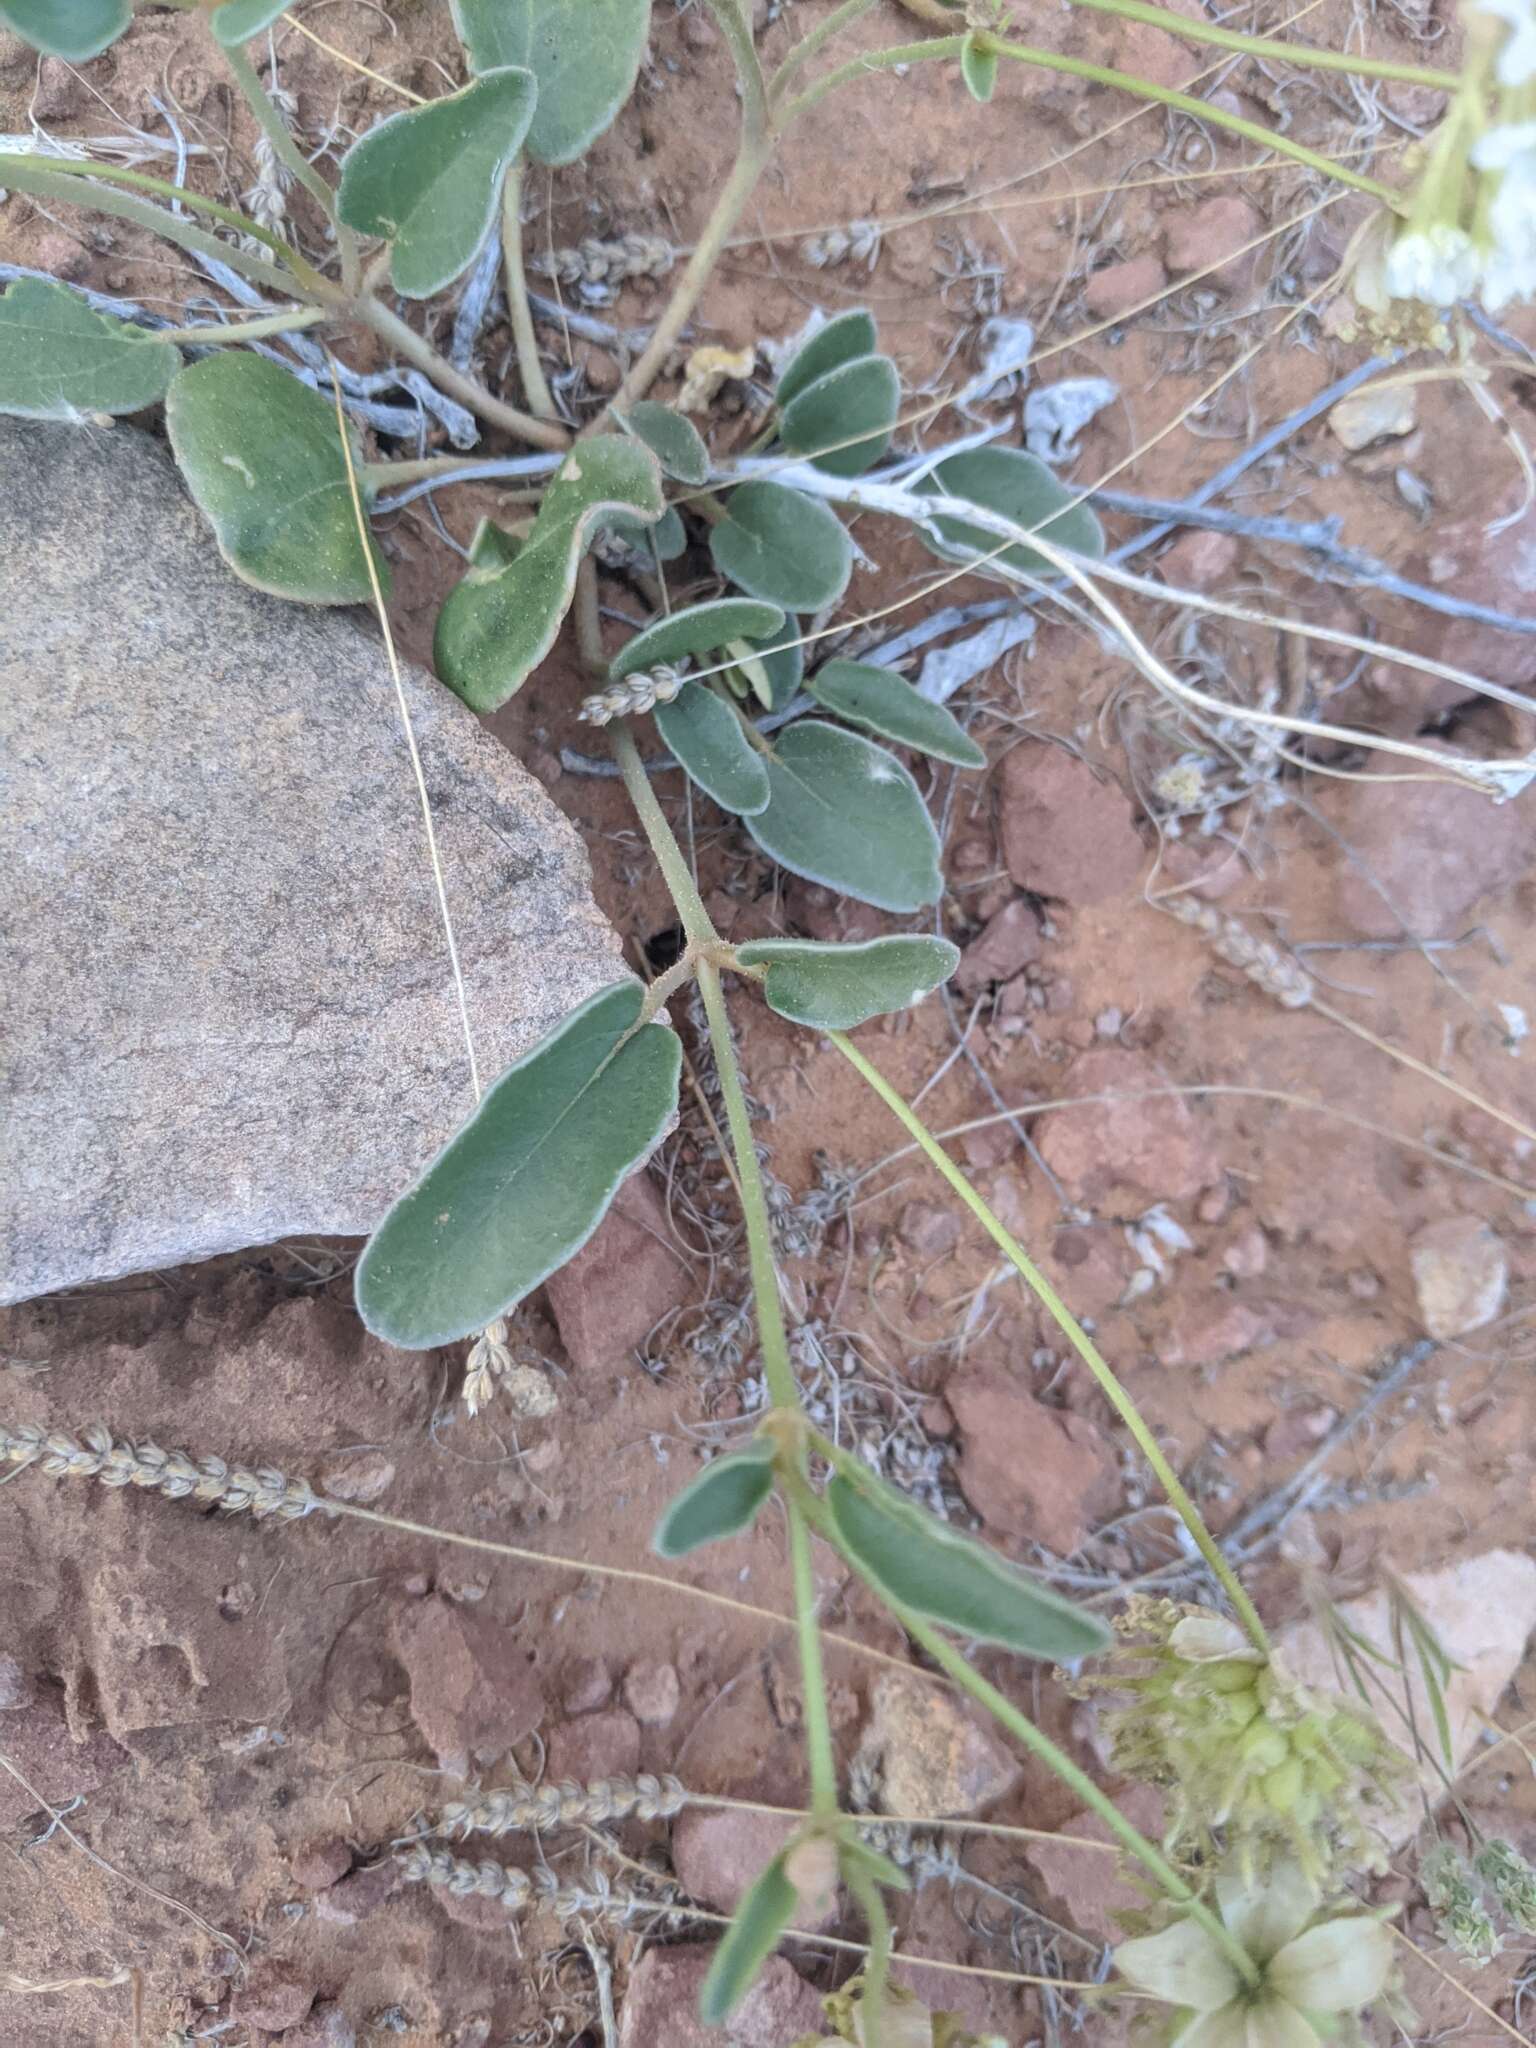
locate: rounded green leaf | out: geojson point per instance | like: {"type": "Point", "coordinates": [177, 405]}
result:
{"type": "Point", "coordinates": [428, 181]}
{"type": "Point", "coordinates": [839, 341]}
{"type": "Point", "coordinates": [492, 547]}
{"type": "Point", "coordinates": [1019, 487]}
{"type": "Point", "coordinates": [706, 735]}
{"type": "Point", "coordinates": [845, 812]}
{"type": "Point", "coordinates": [978, 67]}
{"type": "Point", "coordinates": [238, 20]}
{"type": "Point", "coordinates": [725, 1499]}
{"type": "Point", "coordinates": [498, 623]}
{"type": "Point", "coordinates": [859, 398]}
{"type": "Point", "coordinates": [673, 439]}
{"type": "Point", "coordinates": [833, 988]}
{"type": "Point", "coordinates": [781, 546]}
{"type": "Point", "coordinates": [700, 629]}
{"type": "Point", "coordinates": [665, 539]}
{"type": "Point", "coordinates": [527, 1180]}
{"type": "Point", "coordinates": [884, 702]}
{"type": "Point", "coordinates": [919, 1563]}
{"type": "Point", "coordinates": [759, 1926]}
{"type": "Point", "coordinates": [62, 360]}
{"type": "Point", "coordinates": [782, 656]}
{"type": "Point", "coordinates": [74, 29]}
{"type": "Point", "coordinates": [262, 456]}
{"type": "Point", "coordinates": [585, 63]}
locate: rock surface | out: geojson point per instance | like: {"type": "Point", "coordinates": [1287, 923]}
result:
{"type": "Point", "coordinates": [661, 2005]}
{"type": "Point", "coordinates": [1089, 1887]}
{"type": "Point", "coordinates": [1432, 858]}
{"type": "Point", "coordinates": [1032, 1473]}
{"type": "Point", "coordinates": [473, 1691]}
{"type": "Point", "coordinates": [1136, 1146]}
{"type": "Point", "coordinates": [719, 1855]}
{"type": "Point", "coordinates": [235, 1019]}
{"type": "Point", "coordinates": [609, 1298]}
{"type": "Point", "coordinates": [1065, 831]}
{"type": "Point", "coordinates": [1460, 1275]}
{"type": "Point", "coordinates": [928, 1754]}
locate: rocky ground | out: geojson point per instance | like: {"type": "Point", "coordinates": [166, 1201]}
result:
{"type": "Point", "coordinates": [216, 1731]}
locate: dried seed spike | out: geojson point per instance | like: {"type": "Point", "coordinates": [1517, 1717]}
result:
{"type": "Point", "coordinates": [533, 1809]}
{"type": "Point", "coordinates": [642, 691]}
{"type": "Point", "coordinates": [1267, 965]}
{"type": "Point", "coordinates": [96, 1454]}
{"type": "Point", "coordinates": [596, 262]}
{"type": "Point", "coordinates": [859, 241]}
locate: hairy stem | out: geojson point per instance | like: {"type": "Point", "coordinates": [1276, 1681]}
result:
{"type": "Point", "coordinates": [275, 128]}
{"type": "Point", "coordinates": [949, 1659]}
{"type": "Point", "coordinates": [675, 870]}
{"type": "Point", "coordinates": [494, 411]}
{"type": "Point", "coordinates": [831, 25]}
{"type": "Point", "coordinates": [1072, 1330]}
{"type": "Point", "coordinates": [937, 47]}
{"type": "Point", "coordinates": [209, 336]}
{"type": "Point", "coordinates": [866, 1896]}
{"type": "Point", "coordinates": [818, 1726]}
{"type": "Point", "coordinates": [535, 384]}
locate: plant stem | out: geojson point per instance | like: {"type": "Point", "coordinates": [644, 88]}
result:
{"type": "Point", "coordinates": [1196, 30]}
{"type": "Point", "coordinates": [288, 322]}
{"type": "Point", "coordinates": [939, 47]}
{"type": "Point", "coordinates": [818, 1727]}
{"type": "Point", "coordinates": [752, 155]}
{"type": "Point", "coordinates": [1072, 1330]}
{"type": "Point", "coordinates": [470, 468]}
{"type": "Point", "coordinates": [777, 1370]}
{"type": "Point", "coordinates": [949, 1659]}
{"type": "Point", "coordinates": [535, 384]}
{"type": "Point", "coordinates": [831, 25]}
{"type": "Point", "coordinates": [866, 1895]}
{"type": "Point", "coordinates": [675, 871]}
{"type": "Point", "coordinates": [275, 128]}
{"type": "Point", "coordinates": [407, 342]}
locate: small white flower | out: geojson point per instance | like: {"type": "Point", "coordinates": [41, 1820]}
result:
{"type": "Point", "coordinates": [1517, 60]}
{"type": "Point", "coordinates": [1436, 265]}
{"type": "Point", "coordinates": [1509, 267]}
{"type": "Point", "coordinates": [1336, 1967]}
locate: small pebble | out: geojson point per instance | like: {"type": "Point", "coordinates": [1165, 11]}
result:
{"type": "Point", "coordinates": [651, 1693]}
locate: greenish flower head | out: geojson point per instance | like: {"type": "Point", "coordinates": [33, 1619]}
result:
{"type": "Point", "coordinates": [1455, 1897]}
{"type": "Point", "coordinates": [1313, 1970]}
{"type": "Point", "coordinates": [1511, 1880]}
{"type": "Point", "coordinates": [1250, 1759]}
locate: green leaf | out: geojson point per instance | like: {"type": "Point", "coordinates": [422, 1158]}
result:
{"type": "Point", "coordinates": [840, 341]}
{"type": "Point", "coordinates": [890, 1876]}
{"type": "Point", "coordinates": [884, 702]}
{"type": "Point", "coordinates": [238, 20]}
{"type": "Point", "coordinates": [585, 65]}
{"type": "Point", "coordinates": [845, 812]}
{"type": "Point", "coordinates": [859, 398]}
{"type": "Point", "coordinates": [528, 1178]}
{"type": "Point", "coordinates": [701, 629]}
{"type": "Point", "coordinates": [833, 987]}
{"type": "Point", "coordinates": [705, 733]}
{"type": "Point", "coordinates": [262, 456]}
{"type": "Point", "coordinates": [665, 538]}
{"type": "Point", "coordinates": [759, 1926]}
{"type": "Point", "coordinates": [74, 29]}
{"type": "Point", "coordinates": [675, 441]}
{"type": "Point", "coordinates": [919, 1563]}
{"type": "Point", "coordinates": [62, 360]}
{"type": "Point", "coordinates": [492, 547]}
{"type": "Point", "coordinates": [978, 67]}
{"type": "Point", "coordinates": [428, 181]}
{"type": "Point", "coordinates": [779, 545]}
{"type": "Point", "coordinates": [497, 625]}
{"type": "Point", "coordinates": [1018, 486]}
{"type": "Point", "coordinates": [785, 664]}
{"type": "Point", "coordinates": [723, 1500]}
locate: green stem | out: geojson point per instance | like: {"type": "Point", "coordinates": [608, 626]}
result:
{"type": "Point", "coordinates": [1072, 1330]}
{"type": "Point", "coordinates": [818, 1726]}
{"type": "Point", "coordinates": [407, 342]}
{"type": "Point", "coordinates": [777, 1370]}
{"type": "Point", "coordinates": [752, 155]}
{"type": "Point", "coordinates": [80, 184]}
{"type": "Point", "coordinates": [949, 1659]}
{"type": "Point", "coordinates": [866, 1896]}
{"type": "Point", "coordinates": [817, 39]}
{"type": "Point", "coordinates": [861, 67]}
{"type": "Point", "coordinates": [248, 330]}
{"type": "Point", "coordinates": [1195, 30]}
{"type": "Point", "coordinates": [535, 384]}
{"type": "Point", "coordinates": [275, 128]}
{"type": "Point", "coordinates": [675, 871]}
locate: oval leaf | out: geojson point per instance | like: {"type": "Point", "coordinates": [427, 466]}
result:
{"type": "Point", "coordinates": [62, 360]}
{"type": "Point", "coordinates": [665, 539]}
{"type": "Point", "coordinates": [1018, 486]}
{"type": "Point", "coordinates": [705, 733]}
{"type": "Point", "coordinates": [781, 546]}
{"type": "Point", "coordinates": [920, 1563]}
{"type": "Point", "coordinates": [585, 67]}
{"type": "Point", "coordinates": [428, 181]}
{"type": "Point", "coordinates": [833, 988]}
{"type": "Point", "coordinates": [74, 29]}
{"type": "Point", "coordinates": [978, 67]}
{"type": "Point", "coordinates": [884, 702]}
{"type": "Point", "coordinates": [238, 20]}
{"type": "Point", "coordinates": [527, 1180]}
{"type": "Point", "coordinates": [498, 624]}
{"type": "Point", "coordinates": [751, 1938]}
{"type": "Point", "coordinates": [782, 656]}
{"type": "Point", "coordinates": [839, 341]}
{"type": "Point", "coordinates": [860, 398]}
{"type": "Point", "coordinates": [845, 812]}
{"type": "Point", "coordinates": [701, 629]}
{"type": "Point", "coordinates": [262, 456]}
{"type": "Point", "coordinates": [675, 441]}
{"type": "Point", "coordinates": [725, 1499]}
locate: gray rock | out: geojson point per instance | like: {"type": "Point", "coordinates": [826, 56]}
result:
{"type": "Point", "coordinates": [228, 1010]}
